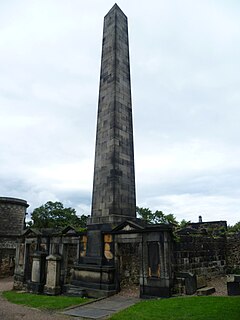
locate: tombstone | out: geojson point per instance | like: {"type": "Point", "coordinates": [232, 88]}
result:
{"type": "Point", "coordinates": [233, 285]}
{"type": "Point", "coordinates": [38, 272]}
{"type": "Point", "coordinates": [190, 281]}
{"type": "Point", "coordinates": [52, 286]}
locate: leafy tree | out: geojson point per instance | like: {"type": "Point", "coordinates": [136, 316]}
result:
{"type": "Point", "coordinates": [145, 214]}
{"type": "Point", "coordinates": [155, 217]}
{"type": "Point", "coordinates": [235, 228]}
{"type": "Point", "coordinates": [183, 223]}
{"type": "Point", "coordinates": [160, 217]}
{"type": "Point", "coordinates": [54, 215]}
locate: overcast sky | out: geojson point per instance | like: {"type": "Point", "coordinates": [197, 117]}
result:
{"type": "Point", "coordinates": [185, 73]}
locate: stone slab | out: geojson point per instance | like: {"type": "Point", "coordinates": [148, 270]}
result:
{"type": "Point", "coordinates": [205, 291]}
{"type": "Point", "coordinates": [88, 313]}
{"type": "Point", "coordinates": [102, 308]}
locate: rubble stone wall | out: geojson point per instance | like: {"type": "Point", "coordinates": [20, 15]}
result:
{"type": "Point", "coordinates": [200, 254]}
{"type": "Point", "coordinates": [12, 217]}
{"type": "Point", "coordinates": [233, 253]}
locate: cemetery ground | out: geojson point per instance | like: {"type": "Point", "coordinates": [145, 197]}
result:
{"type": "Point", "coordinates": [177, 308]}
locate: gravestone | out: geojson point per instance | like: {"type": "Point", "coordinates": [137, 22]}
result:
{"type": "Point", "coordinates": [233, 285]}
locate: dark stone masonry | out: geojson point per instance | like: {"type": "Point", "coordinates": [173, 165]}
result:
{"type": "Point", "coordinates": [200, 254]}
{"type": "Point", "coordinates": [113, 198]}
{"type": "Point", "coordinates": [233, 253]}
{"type": "Point", "coordinates": [12, 215]}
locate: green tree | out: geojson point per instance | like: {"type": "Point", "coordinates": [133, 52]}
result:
{"type": "Point", "coordinates": [155, 217]}
{"type": "Point", "coordinates": [54, 215]}
{"type": "Point", "coordinates": [183, 223]}
{"type": "Point", "coordinates": [145, 214]}
{"type": "Point", "coordinates": [235, 228]}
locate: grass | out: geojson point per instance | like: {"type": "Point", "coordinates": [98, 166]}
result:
{"type": "Point", "coordinates": [184, 308]}
{"type": "Point", "coordinates": [43, 301]}
{"type": "Point", "coordinates": [181, 308]}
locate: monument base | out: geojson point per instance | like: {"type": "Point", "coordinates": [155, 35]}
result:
{"type": "Point", "coordinates": [98, 281]}
{"type": "Point", "coordinates": [35, 287]}
{"type": "Point", "coordinates": [52, 291]}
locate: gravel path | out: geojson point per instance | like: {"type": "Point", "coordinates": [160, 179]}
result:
{"type": "Point", "coordinates": [220, 284]}
{"type": "Point", "coordinates": [10, 311]}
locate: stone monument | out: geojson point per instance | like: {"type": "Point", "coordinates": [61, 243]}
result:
{"type": "Point", "coordinates": [113, 197]}
{"type": "Point", "coordinates": [117, 242]}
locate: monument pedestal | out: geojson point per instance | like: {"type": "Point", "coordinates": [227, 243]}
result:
{"type": "Point", "coordinates": [97, 280]}
{"type": "Point", "coordinates": [52, 286]}
{"type": "Point", "coordinates": [36, 284]}
{"type": "Point", "coordinates": [95, 272]}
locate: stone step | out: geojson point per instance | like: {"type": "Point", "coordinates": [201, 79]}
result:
{"type": "Point", "coordinates": [205, 291]}
{"type": "Point", "coordinates": [71, 290]}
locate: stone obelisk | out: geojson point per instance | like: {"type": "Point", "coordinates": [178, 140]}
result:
{"type": "Point", "coordinates": [115, 238]}
{"type": "Point", "coordinates": [113, 198]}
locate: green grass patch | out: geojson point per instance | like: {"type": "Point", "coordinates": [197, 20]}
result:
{"type": "Point", "coordinates": [43, 301]}
{"type": "Point", "coordinates": [184, 308]}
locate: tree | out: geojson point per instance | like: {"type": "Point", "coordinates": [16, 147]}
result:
{"type": "Point", "coordinates": [54, 215]}
{"type": "Point", "coordinates": [145, 214]}
{"type": "Point", "coordinates": [235, 228]}
{"type": "Point", "coordinates": [155, 217]}
{"type": "Point", "coordinates": [183, 223]}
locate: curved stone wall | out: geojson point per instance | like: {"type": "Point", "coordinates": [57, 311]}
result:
{"type": "Point", "coordinates": [12, 223]}
{"type": "Point", "coordinates": [12, 216]}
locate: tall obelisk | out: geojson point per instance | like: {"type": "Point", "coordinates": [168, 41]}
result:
{"type": "Point", "coordinates": [113, 198]}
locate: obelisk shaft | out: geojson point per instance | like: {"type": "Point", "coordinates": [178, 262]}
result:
{"type": "Point", "coordinates": [114, 177]}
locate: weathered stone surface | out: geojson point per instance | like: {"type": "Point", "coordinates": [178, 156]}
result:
{"type": "Point", "coordinates": [52, 286]}
{"type": "Point", "coordinates": [103, 308]}
{"type": "Point", "coordinates": [233, 253]}
{"type": "Point", "coordinates": [190, 282]}
{"type": "Point", "coordinates": [12, 217]}
{"type": "Point", "coordinates": [200, 254]}
{"type": "Point", "coordinates": [129, 263]}
{"type": "Point", "coordinates": [114, 177]}
{"type": "Point", "coordinates": [201, 281]}
{"type": "Point", "coordinates": [205, 291]}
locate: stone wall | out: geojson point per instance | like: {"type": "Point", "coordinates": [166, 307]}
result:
{"type": "Point", "coordinates": [12, 215]}
{"type": "Point", "coordinates": [129, 264]}
{"type": "Point", "coordinates": [233, 253]}
{"type": "Point", "coordinates": [200, 254]}
{"type": "Point", "coordinates": [7, 261]}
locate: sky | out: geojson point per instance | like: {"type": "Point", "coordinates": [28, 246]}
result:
{"type": "Point", "coordinates": [185, 74]}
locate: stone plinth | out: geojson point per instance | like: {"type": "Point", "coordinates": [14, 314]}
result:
{"type": "Point", "coordinates": [37, 274]}
{"type": "Point", "coordinates": [52, 286]}
{"type": "Point", "coordinates": [96, 280]}
{"type": "Point", "coordinates": [36, 268]}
